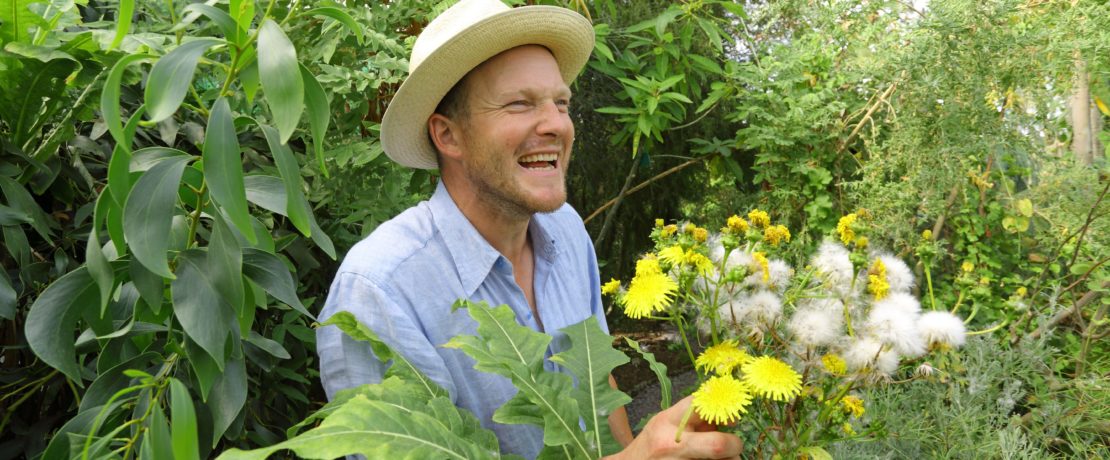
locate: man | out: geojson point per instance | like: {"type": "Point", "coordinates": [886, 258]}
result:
{"type": "Point", "coordinates": [486, 101]}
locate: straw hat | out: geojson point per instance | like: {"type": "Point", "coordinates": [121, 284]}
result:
{"type": "Point", "coordinates": [464, 36]}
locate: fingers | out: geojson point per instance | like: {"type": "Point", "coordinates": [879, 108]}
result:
{"type": "Point", "coordinates": [711, 445]}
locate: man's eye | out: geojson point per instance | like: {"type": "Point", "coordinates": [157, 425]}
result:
{"type": "Point", "coordinates": [520, 103]}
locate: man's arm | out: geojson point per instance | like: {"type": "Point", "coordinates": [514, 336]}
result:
{"type": "Point", "coordinates": [618, 421]}
{"type": "Point", "coordinates": [699, 440]}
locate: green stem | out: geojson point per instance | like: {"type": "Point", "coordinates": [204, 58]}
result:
{"type": "Point", "coordinates": [929, 282]}
{"type": "Point", "coordinates": [682, 424]}
{"type": "Point", "coordinates": [685, 341]}
{"type": "Point", "coordinates": [196, 215]}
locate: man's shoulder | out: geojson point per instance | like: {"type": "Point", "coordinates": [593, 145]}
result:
{"type": "Point", "coordinates": [391, 244]}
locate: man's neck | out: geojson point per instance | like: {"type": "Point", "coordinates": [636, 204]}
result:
{"type": "Point", "coordinates": [507, 233]}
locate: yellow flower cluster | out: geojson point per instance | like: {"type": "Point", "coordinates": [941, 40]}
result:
{"type": "Point", "coordinates": [611, 287]}
{"type": "Point", "coordinates": [764, 265]}
{"type": "Point", "coordinates": [852, 405]}
{"type": "Point", "coordinates": [649, 291]}
{"type": "Point", "coordinates": [737, 225]}
{"type": "Point", "coordinates": [678, 257]}
{"type": "Point", "coordinates": [759, 218]}
{"type": "Point", "coordinates": [771, 378]}
{"type": "Point", "coordinates": [669, 230]}
{"type": "Point", "coordinates": [877, 284]}
{"type": "Point", "coordinates": [776, 234]}
{"type": "Point", "coordinates": [844, 228]}
{"type": "Point", "coordinates": [722, 358]}
{"type": "Point", "coordinates": [834, 364]}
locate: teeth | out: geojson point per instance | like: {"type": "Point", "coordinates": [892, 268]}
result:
{"type": "Point", "coordinates": [538, 157]}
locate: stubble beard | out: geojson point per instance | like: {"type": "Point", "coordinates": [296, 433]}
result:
{"type": "Point", "coordinates": [497, 188]}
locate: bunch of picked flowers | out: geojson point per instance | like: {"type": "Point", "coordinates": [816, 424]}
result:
{"type": "Point", "coordinates": [788, 350]}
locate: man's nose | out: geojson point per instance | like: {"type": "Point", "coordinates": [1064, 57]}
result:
{"type": "Point", "coordinates": [554, 121]}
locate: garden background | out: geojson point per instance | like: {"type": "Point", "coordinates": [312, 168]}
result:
{"type": "Point", "coordinates": [179, 181]}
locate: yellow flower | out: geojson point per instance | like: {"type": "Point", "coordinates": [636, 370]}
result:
{"type": "Point", "coordinates": [967, 267]}
{"type": "Point", "coordinates": [759, 218]}
{"type": "Point", "coordinates": [673, 255]}
{"type": "Point", "coordinates": [877, 284]}
{"type": "Point", "coordinates": [649, 291]}
{"type": "Point", "coordinates": [722, 358]}
{"type": "Point", "coordinates": [669, 230]}
{"type": "Point", "coordinates": [847, 427]}
{"type": "Point", "coordinates": [721, 400]}
{"type": "Point", "coordinates": [659, 223]}
{"type": "Point", "coordinates": [611, 287]}
{"type": "Point", "coordinates": [1021, 291]}
{"type": "Point", "coordinates": [861, 242]}
{"type": "Point", "coordinates": [771, 378]}
{"type": "Point", "coordinates": [761, 259]}
{"type": "Point", "coordinates": [927, 235]}
{"type": "Point", "coordinates": [834, 364]}
{"type": "Point", "coordinates": [776, 234]}
{"type": "Point", "coordinates": [852, 405]}
{"type": "Point", "coordinates": [701, 234]}
{"type": "Point", "coordinates": [689, 228]}
{"type": "Point", "coordinates": [700, 262]}
{"type": "Point", "coordinates": [844, 228]}
{"type": "Point", "coordinates": [737, 224]}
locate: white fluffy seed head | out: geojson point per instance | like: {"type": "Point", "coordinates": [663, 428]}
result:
{"type": "Point", "coordinates": [898, 274]}
{"type": "Point", "coordinates": [816, 327]}
{"type": "Point", "coordinates": [826, 303]}
{"type": "Point", "coordinates": [736, 258]}
{"type": "Point", "coordinates": [762, 307]}
{"type": "Point", "coordinates": [834, 266]}
{"type": "Point", "coordinates": [942, 328]}
{"type": "Point", "coordinates": [896, 328]}
{"type": "Point", "coordinates": [778, 280]}
{"type": "Point", "coordinates": [862, 353]}
{"type": "Point", "coordinates": [901, 301]}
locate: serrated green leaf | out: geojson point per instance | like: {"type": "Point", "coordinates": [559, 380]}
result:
{"type": "Point", "coordinates": [273, 275]}
{"type": "Point", "coordinates": [660, 371]}
{"type": "Point", "coordinates": [223, 168]}
{"type": "Point", "coordinates": [279, 73]}
{"type": "Point", "coordinates": [592, 358]}
{"type": "Point", "coordinates": [375, 429]}
{"type": "Point", "coordinates": [296, 205]}
{"type": "Point", "coordinates": [53, 316]}
{"type": "Point", "coordinates": [148, 214]}
{"type": "Point", "coordinates": [319, 114]}
{"type": "Point", "coordinates": [171, 77]}
{"type": "Point", "coordinates": [203, 314]}
{"type": "Point", "coordinates": [402, 368]}
{"type": "Point", "coordinates": [183, 423]}
{"type": "Point", "coordinates": [228, 396]}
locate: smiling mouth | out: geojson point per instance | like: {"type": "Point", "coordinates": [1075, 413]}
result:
{"type": "Point", "coordinates": [539, 161]}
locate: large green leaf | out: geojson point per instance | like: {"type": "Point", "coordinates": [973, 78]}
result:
{"type": "Point", "coordinates": [296, 206]}
{"type": "Point", "coordinates": [19, 199]}
{"type": "Point", "coordinates": [228, 396]}
{"type": "Point", "coordinates": [148, 214]}
{"type": "Point", "coordinates": [183, 423]}
{"type": "Point", "coordinates": [32, 96]}
{"type": "Point", "coordinates": [225, 262]}
{"type": "Point", "coordinates": [592, 358]}
{"type": "Point", "coordinates": [95, 259]}
{"type": "Point", "coordinates": [8, 297]}
{"type": "Point", "coordinates": [15, 19]}
{"type": "Point", "coordinates": [172, 75]}
{"type": "Point", "coordinates": [273, 275]}
{"type": "Point", "coordinates": [52, 319]}
{"type": "Point", "coordinates": [401, 368]}
{"type": "Point", "coordinates": [223, 20]}
{"type": "Point", "coordinates": [119, 166]}
{"type": "Point", "coordinates": [281, 78]}
{"type": "Point", "coordinates": [376, 429]}
{"type": "Point", "coordinates": [113, 380]}
{"type": "Point", "coordinates": [242, 12]}
{"type": "Point", "coordinates": [109, 98]}
{"type": "Point", "coordinates": [507, 348]}
{"type": "Point", "coordinates": [151, 287]}
{"type": "Point", "coordinates": [203, 313]}
{"type": "Point", "coordinates": [157, 443]}
{"type": "Point", "coordinates": [319, 114]}
{"type": "Point", "coordinates": [223, 168]}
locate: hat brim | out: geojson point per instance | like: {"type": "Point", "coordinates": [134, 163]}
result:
{"type": "Point", "coordinates": [568, 35]}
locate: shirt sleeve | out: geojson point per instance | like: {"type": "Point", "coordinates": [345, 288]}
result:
{"type": "Point", "coordinates": [347, 363]}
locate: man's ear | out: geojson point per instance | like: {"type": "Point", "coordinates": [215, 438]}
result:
{"type": "Point", "coordinates": [445, 134]}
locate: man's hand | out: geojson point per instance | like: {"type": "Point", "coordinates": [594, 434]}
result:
{"type": "Point", "coordinates": [699, 440]}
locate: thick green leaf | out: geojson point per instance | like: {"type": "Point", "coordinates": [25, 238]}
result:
{"type": "Point", "coordinates": [342, 17]}
{"type": "Point", "coordinates": [183, 423]}
{"type": "Point", "coordinates": [223, 168]}
{"type": "Point", "coordinates": [660, 371]}
{"type": "Point", "coordinates": [319, 114]}
{"type": "Point", "coordinates": [223, 20]}
{"type": "Point", "coordinates": [150, 286]}
{"type": "Point", "coordinates": [148, 214]}
{"type": "Point", "coordinates": [269, 346]}
{"type": "Point", "coordinates": [95, 260]}
{"type": "Point", "coordinates": [8, 297]}
{"type": "Point", "coordinates": [204, 368]}
{"type": "Point", "coordinates": [20, 199]}
{"type": "Point", "coordinates": [225, 262]}
{"type": "Point", "coordinates": [15, 19]}
{"type": "Point", "coordinates": [113, 380]}
{"type": "Point", "coordinates": [592, 358]}
{"type": "Point", "coordinates": [10, 216]}
{"type": "Point", "coordinates": [281, 78]}
{"type": "Point", "coordinates": [158, 440]}
{"type": "Point", "coordinates": [242, 11]}
{"type": "Point", "coordinates": [172, 75]}
{"type": "Point", "coordinates": [273, 275]}
{"type": "Point", "coordinates": [54, 315]}
{"type": "Point", "coordinates": [144, 159]}
{"type": "Point", "coordinates": [248, 77]}
{"type": "Point", "coordinates": [30, 99]}
{"type": "Point", "coordinates": [296, 205]}
{"type": "Point", "coordinates": [203, 314]}
{"type": "Point", "coordinates": [268, 192]}
{"type": "Point", "coordinates": [228, 396]}
{"type": "Point", "coordinates": [109, 98]}
{"type": "Point", "coordinates": [123, 22]}
{"type": "Point", "coordinates": [401, 367]}
{"type": "Point", "coordinates": [375, 429]}
{"type": "Point", "coordinates": [119, 166]}
{"type": "Point", "coordinates": [80, 424]}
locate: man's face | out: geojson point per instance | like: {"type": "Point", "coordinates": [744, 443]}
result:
{"type": "Point", "coordinates": [516, 139]}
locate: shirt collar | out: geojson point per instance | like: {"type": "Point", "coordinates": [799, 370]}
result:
{"type": "Point", "coordinates": [473, 256]}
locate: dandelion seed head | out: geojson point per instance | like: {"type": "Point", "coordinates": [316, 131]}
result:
{"type": "Point", "coordinates": [898, 275]}
{"type": "Point", "coordinates": [776, 278]}
{"type": "Point", "coordinates": [834, 266]}
{"type": "Point", "coordinates": [762, 307]}
{"type": "Point", "coordinates": [901, 301]}
{"type": "Point", "coordinates": [896, 328]}
{"type": "Point", "coordinates": [862, 353]}
{"type": "Point", "coordinates": [816, 327]}
{"type": "Point", "coordinates": [942, 328]}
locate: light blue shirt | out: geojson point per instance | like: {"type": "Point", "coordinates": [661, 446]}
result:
{"type": "Point", "coordinates": [402, 279]}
